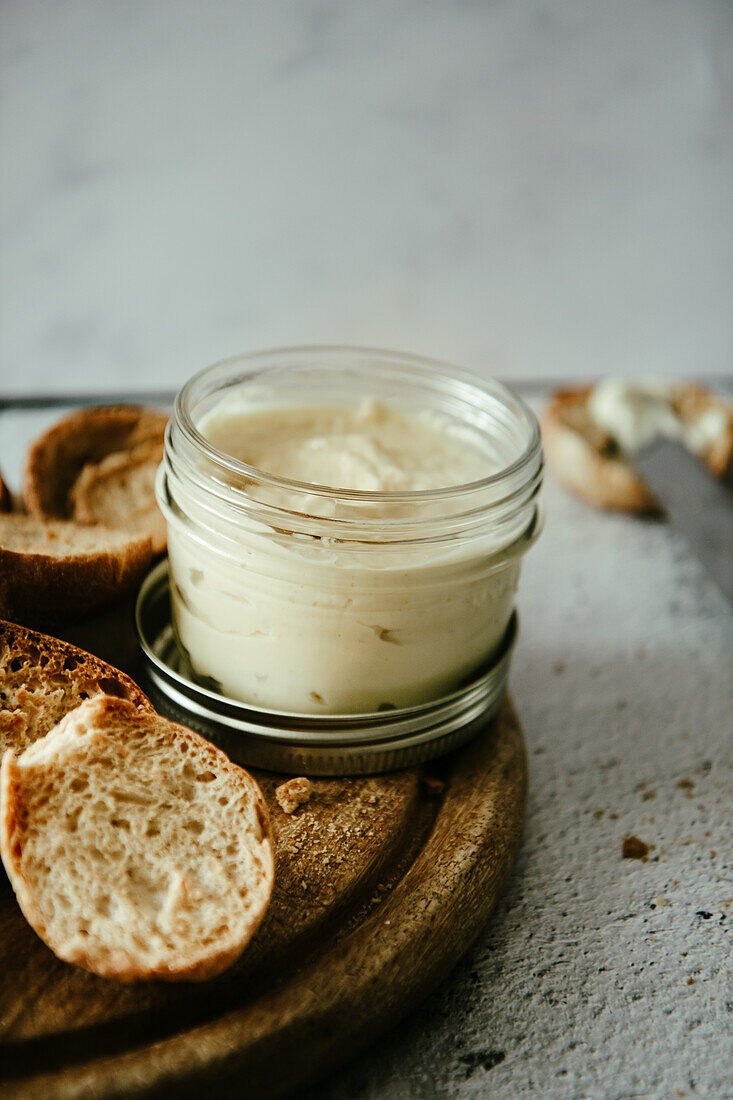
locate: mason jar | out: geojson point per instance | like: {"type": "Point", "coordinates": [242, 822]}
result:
{"type": "Point", "coordinates": [303, 599]}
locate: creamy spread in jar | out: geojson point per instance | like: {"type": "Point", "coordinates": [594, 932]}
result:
{"type": "Point", "coordinates": [636, 413]}
{"type": "Point", "coordinates": [334, 570]}
{"type": "Point", "coordinates": [368, 447]}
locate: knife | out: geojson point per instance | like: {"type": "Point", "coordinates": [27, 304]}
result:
{"type": "Point", "coordinates": [697, 504]}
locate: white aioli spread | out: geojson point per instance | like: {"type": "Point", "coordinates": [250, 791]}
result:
{"type": "Point", "coordinates": [368, 447]}
{"type": "Point", "coordinates": [294, 623]}
{"type": "Point", "coordinates": [636, 413]}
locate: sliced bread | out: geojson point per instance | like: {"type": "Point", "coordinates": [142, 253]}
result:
{"type": "Point", "coordinates": [42, 678]}
{"type": "Point", "coordinates": [119, 491]}
{"type": "Point", "coordinates": [589, 461]}
{"type": "Point", "coordinates": [53, 573]}
{"type": "Point", "coordinates": [75, 448]}
{"type": "Point", "coordinates": [136, 849]}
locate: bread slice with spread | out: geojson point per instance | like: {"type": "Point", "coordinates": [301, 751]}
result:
{"type": "Point", "coordinates": [591, 461]}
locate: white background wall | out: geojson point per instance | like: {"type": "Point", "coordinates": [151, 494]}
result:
{"type": "Point", "coordinates": [529, 188]}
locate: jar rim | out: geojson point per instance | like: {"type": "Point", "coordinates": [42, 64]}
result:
{"type": "Point", "coordinates": [408, 363]}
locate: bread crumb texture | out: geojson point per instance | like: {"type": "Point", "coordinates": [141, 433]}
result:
{"type": "Point", "coordinates": [293, 793]}
{"type": "Point", "coordinates": [120, 492]}
{"type": "Point", "coordinates": [97, 465]}
{"type": "Point", "coordinates": [83, 438]}
{"type": "Point", "coordinates": [136, 848]}
{"type": "Point", "coordinates": [42, 678]}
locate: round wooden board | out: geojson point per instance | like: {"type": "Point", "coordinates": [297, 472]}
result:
{"type": "Point", "coordinates": [382, 883]}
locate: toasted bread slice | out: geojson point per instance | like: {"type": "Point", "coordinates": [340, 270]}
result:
{"type": "Point", "coordinates": [81, 441]}
{"type": "Point", "coordinates": [42, 678]}
{"type": "Point", "coordinates": [119, 491]}
{"type": "Point", "coordinates": [53, 573]}
{"type": "Point", "coordinates": [589, 462]}
{"type": "Point", "coordinates": [136, 849]}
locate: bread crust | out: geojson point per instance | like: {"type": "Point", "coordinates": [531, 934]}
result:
{"type": "Point", "coordinates": [52, 665]}
{"type": "Point", "coordinates": [586, 460]}
{"type": "Point", "coordinates": [47, 591]}
{"type": "Point", "coordinates": [57, 457]}
{"type": "Point", "coordinates": [201, 962]}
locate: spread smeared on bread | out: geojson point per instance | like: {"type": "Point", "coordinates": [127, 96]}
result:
{"type": "Point", "coordinates": [591, 461]}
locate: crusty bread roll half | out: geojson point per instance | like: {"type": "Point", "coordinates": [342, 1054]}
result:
{"type": "Point", "coordinates": [98, 465]}
{"type": "Point", "coordinates": [589, 462]}
{"type": "Point", "coordinates": [136, 849]}
{"type": "Point", "coordinates": [43, 678]}
{"type": "Point", "coordinates": [53, 573]}
{"type": "Point", "coordinates": [120, 491]}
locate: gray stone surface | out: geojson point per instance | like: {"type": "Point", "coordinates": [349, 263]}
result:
{"type": "Point", "coordinates": [597, 976]}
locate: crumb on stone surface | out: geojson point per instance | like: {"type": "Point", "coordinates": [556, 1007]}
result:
{"type": "Point", "coordinates": [686, 785]}
{"type": "Point", "coordinates": [293, 793]}
{"type": "Point", "coordinates": [634, 848]}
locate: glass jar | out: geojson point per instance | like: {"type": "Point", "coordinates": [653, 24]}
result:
{"type": "Point", "coordinates": [304, 599]}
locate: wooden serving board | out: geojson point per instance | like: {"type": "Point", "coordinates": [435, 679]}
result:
{"type": "Point", "coordinates": [381, 884]}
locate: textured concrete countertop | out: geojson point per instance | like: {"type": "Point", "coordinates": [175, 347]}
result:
{"type": "Point", "coordinates": [600, 976]}
{"type": "Point", "coordinates": [597, 976]}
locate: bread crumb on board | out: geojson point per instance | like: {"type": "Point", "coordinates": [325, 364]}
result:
{"type": "Point", "coordinates": [634, 848]}
{"type": "Point", "coordinates": [293, 793]}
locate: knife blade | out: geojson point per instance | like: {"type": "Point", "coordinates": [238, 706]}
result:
{"type": "Point", "coordinates": [697, 504]}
